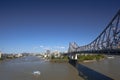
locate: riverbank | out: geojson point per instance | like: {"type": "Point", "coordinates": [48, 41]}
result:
{"type": "Point", "coordinates": [8, 59]}
{"type": "Point", "coordinates": [63, 59]}
{"type": "Point", "coordinates": [81, 58]}
{"type": "Point", "coordinates": [59, 60]}
{"type": "Point", "coordinates": [1, 59]}
{"type": "Point", "coordinates": [90, 58]}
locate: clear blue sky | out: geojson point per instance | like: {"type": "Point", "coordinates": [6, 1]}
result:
{"type": "Point", "coordinates": [37, 25]}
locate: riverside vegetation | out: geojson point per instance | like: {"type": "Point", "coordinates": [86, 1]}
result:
{"type": "Point", "coordinates": [95, 57]}
{"type": "Point", "coordinates": [81, 58]}
{"type": "Point", "coordinates": [1, 59]}
{"type": "Point", "coordinates": [59, 59]}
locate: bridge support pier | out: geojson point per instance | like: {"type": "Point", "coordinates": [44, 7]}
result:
{"type": "Point", "coordinates": [73, 56]}
{"type": "Point", "coordinates": [73, 59]}
{"type": "Point", "coordinates": [73, 62]}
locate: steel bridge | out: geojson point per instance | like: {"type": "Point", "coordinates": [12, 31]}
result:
{"type": "Point", "coordinates": [107, 42]}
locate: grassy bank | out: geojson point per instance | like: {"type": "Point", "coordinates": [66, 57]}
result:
{"type": "Point", "coordinates": [7, 58]}
{"type": "Point", "coordinates": [82, 58]}
{"type": "Point", "coordinates": [1, 59]}
{"type": "Point", "coordinates": [59, 59]}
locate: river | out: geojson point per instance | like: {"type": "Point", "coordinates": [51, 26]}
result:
{"type": "Point", "coordinates": [23, 69]}
{"type": "Point", "coordinates": [107, 69]}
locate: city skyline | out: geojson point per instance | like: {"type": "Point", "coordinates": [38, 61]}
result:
{"type": "Point", "coordinates": [35, 26]}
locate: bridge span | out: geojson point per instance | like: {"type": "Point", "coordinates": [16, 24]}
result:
{"type": "Point", "coordinates": [108, 42]}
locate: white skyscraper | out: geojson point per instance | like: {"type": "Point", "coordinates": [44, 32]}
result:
{"type": "Point", "coordinates": [0, 54]}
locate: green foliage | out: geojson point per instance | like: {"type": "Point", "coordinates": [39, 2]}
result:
{"type": "Point", "coordinates": [81, 58]}
{"type": "Point", "coordinates": [65, 57]}
{"type": "Point", "coordinates": [99, 56]}
{"type": "Point", "coordinates": [90, 57]}
{"type": "Point", "coordinates": [52, 57]}
{"type": "Point", "coordinates": [10, 57]}
{"type": "Point", "coordinates": [1, 59]}
{"type": "Point", "coordinates": [59, 59]}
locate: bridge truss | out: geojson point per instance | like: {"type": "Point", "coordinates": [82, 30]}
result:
{"type": "Point", "coordinates": [107, 42]}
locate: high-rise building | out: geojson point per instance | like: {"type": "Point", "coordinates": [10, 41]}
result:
{"type": "Point", "coordinates": [48, 52]}
{"type": "Point", "coordinates": [56, 54]}
{"type": "Point", "coordinates": [0, 54]}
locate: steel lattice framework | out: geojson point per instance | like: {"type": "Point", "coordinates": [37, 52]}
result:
{"type": "Point", "coordinates": [107, 41]}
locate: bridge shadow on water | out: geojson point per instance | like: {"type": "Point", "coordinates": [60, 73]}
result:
{"type": "Point", "coordinates": [87, 73]}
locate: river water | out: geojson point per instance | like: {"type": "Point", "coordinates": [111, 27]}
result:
{"type": "Point", "coordinates": [107, 69]}
{"type": "Point", "coordinates": [23, 69]}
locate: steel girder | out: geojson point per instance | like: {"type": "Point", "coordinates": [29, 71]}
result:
{"type": "Point", "coordinates": [108, 40]}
